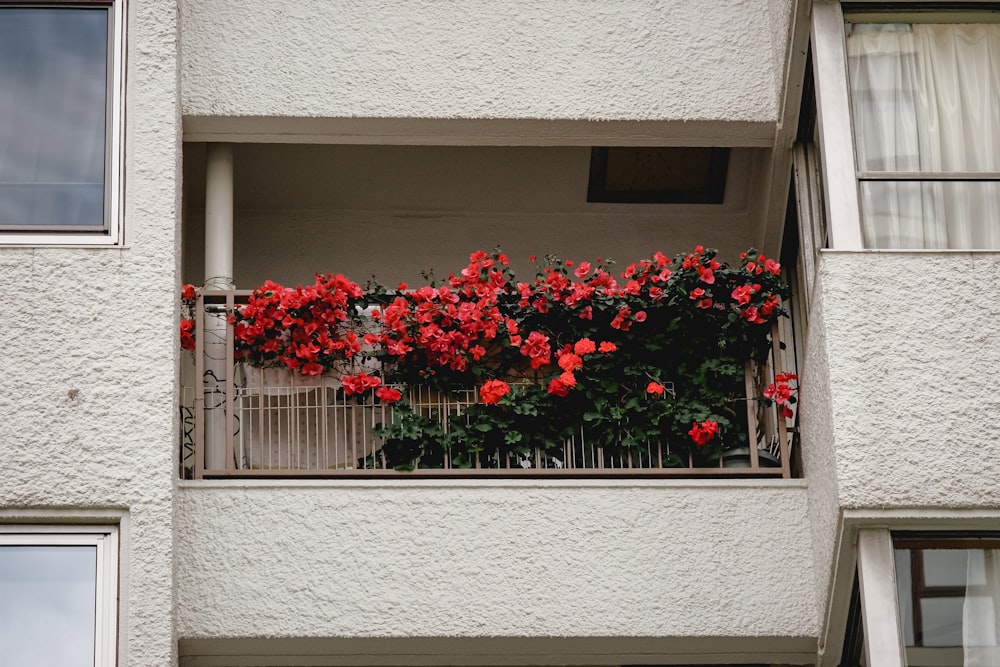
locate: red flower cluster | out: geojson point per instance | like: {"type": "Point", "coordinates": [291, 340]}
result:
{"type": "Point", "coordinates": [187, 335]}
{"type": "Point", "coordinates": [703, 433]}
{"type": "Point", "coordinates": [360, 383]}
{"type": "Point", "coordinates": [704, 264]}
{"type": "Point", "coordinates": [449, 326]}
{"type": "Point", "coordinates": [188, 297]}
{"type": "Point", "coordinates": [570, 358]}
{"type": "Point", "coordinates": [782, 393]}
{"type": "Point", "coordinates": [309, 329]}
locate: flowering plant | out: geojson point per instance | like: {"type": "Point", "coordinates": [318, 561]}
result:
{"type": "Point", "coordinates": [581, 347]}
{"type": "Point", "coordinates": [655, 353]}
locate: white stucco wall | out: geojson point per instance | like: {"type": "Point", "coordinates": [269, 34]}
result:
{"type": "Point", "coordinates": [422, 558]}
{"type": "Point", "coordinates": [89, 369]}
{"type": "Point", "coordinates": [550, 59]}
{"type": "Point", "coordinates": [818, 447]}
{"type": "Point", "coordinates": [913, 360]}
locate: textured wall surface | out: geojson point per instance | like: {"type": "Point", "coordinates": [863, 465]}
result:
{"type": "Point", "coordinates": [474, 559]}
{"type": "Point", "coordinates": [89, 355]}
{"type": "Point", "coordinates": [550, 59]}
{"type": "Point", "coordinates": [818, 451]}
{"type": "Point", "coordinates": [914, 360]}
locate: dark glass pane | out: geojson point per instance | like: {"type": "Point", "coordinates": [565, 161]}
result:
{"type": "Point", "coordinates": [47, 605]}
{"type": "Point", "coordinates": [53, 116]}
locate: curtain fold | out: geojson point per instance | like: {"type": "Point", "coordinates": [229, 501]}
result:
{"type": "Point", "coordinates": [981, 609]}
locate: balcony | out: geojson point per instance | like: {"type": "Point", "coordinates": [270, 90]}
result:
{"type": "Point", "coordinates": [396, 212]}
{"type": "Point", "coordinates": [286, 424]}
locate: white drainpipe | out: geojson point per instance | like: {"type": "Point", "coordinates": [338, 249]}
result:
{"type": "Point", "coordinates": [218, 276]}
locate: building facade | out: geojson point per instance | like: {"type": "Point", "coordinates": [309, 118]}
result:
{"type": "Point", "coordinates": [238, 141]}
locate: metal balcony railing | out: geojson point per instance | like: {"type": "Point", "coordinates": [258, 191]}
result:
{"type": "Point", "coordinates": [282, 424]}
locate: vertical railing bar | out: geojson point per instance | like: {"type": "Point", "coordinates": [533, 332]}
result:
{"type": "Point", "coordinates": [199, 390]}
{"type": "Point", "coordinates": [752, 424]}
{"type": "Point", "coordinates": [783, 448]}
{"type": "Point", "coordinates": [322, 433]}
{"type": "Point", "coordinates": [230, 385]}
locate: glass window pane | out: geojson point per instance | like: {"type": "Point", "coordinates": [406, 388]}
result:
{"type": "Point", "coordinates": [959, 215]}
{"type": "Point", "coordinates": [945, 567]}
{"type": "Point", "coordinates": [942, 621]}
{"type": "Point", "coordinates": [53, 116]}
{"type": "Point", "coordinates": [925, 97]}
{"type": "Point", "coordinates": [47, 605]}
{"type": "Point", "coordinates": [949, 605]}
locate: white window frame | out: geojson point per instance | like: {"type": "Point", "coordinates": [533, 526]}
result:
{"type": "Point", "coordinates": [836, 133]}
{"type": "Point", "coordinates": [113, 236]}
{"type": "Point", "coordinates": [105, 540]}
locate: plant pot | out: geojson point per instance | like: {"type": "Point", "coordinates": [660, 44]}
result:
{"type": "Point", "coordinates": [739, 457]}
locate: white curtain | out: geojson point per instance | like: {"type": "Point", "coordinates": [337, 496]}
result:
{"type": "Point", "coordinates": [981, 610]}
{"type": "Point", "coordinates": [926, 97]}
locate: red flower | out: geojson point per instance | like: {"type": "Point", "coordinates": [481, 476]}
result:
{"type": "Point", "coordinates": [492, 391]}
{"type": "Point", "coordinates": [388, 394]}
{"type": "Point", "coordinates": [750, 314]}
{"type": "Point", "coordinates": [312, 368]}
{"type": "Point", "coordinates": [742, 294]}
{"type": "Point", "coordinates": [359, 383]}
{"type": "Point", "coordinates": [570, 362]}
{"type": "Point", "coordinates": [607, 347]}
{"type": "Point", "coordinates": [558, 388]}
{"type": "Point", "coordinates": [568, 379]}
{"type": "Point", "coordinates": [582, 270]}
{"type": "Point", "coordinates": [537, 349]}
{"type": "Point", "coordinates": [779, 391]}
{"type": "Point", "coordinates": [654, 388]}
{"type": "Point", "coordinates": [187, 292]}
{"type": "Point", "coordinates": [584, 346]}
{"type": "Point", "coordinates": [703, 433]}
{"type": "Point", "coordinates": [187, 334]}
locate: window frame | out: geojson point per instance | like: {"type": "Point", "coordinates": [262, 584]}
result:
{"type": "Point", "coordinates": [105, 538]}
{"type": "Point", "coordinates": [111, 234]}
{"type": "Point", "coordinates": [876, 609]}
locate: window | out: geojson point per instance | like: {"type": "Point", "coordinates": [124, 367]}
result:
{"type": "Point", "coordinates": [926, 599]}
{"type": "Point", "coordinates": [60, 122]}
{"type": "Point", "coordinates": [925, 105]}
{"type": "Point", "coordinates": [58, 592]}
{"type": "Point", "coordinates": [684, 175]}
